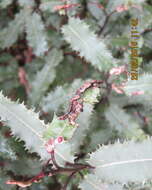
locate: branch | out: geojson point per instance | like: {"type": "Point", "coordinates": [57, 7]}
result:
{"type": "Point", "coordinates": [48, 170]}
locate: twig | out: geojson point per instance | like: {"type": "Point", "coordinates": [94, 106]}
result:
{"type": "Point", "coordinates": [79, 165]}
{"type": "Point", "coordinates": [106, 22]}
{"type": "Point", "coordinates": [75, 168]}
{"type": "Point", "coordinates": [54, 161]}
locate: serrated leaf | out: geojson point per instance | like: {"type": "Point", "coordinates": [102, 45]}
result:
{"type": "Point", "coordinates": [123, 123]}
{"type": "Point", "coordinates": [16, 27]}
{"type": "Point", "coordinates": [45, 76]}
{"type": "Point", "coordinates": [25, 124]}
{"type": "Point", "coordinates": [91, 182]}
{"type": "Point", "coordinates": [133, 158]}
{"type": "Point", "coordinates": [101, 136]}
{"type": "Point", "coordinates": [36, 35]}
{"type": "Point", "coordinates": [82, 39]}
{"type": "Point", "coordinates": [58, 128]}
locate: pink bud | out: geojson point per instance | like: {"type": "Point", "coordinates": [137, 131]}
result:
{"type": "Point", "coordinates": [50, 149]}
{"type": "Point", "coordinates": [50, 146]}
{"type": "Point", "coordinates": [60, 139]}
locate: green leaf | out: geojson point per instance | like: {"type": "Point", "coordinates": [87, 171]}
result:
{"type": "Point", "coordinates": [9, 72]}
{"type": "Point", "coordinates": [101, 136]}
{"type": "Point", "coordinates": [25, 124]}
{"type": "Point", "coordinates": [91, 182]}
{"type": "Point", "coordinates": [133, 158]}
{"type": "Point", "coordinates": [24, 166]}
{"type": "Point", "coordinates": [38, 186]}
{"type": "Point", "coordinates": [123, 123]}
{"type": "Point", "coordinates": [83, 40]}
{"type": "Point", "coordinates": [58, 128]}
{"type": "Point", "coordinates": [5, 3]}
{"type": "Point", "coordinates": [145, 21]}
{"type": "Point", "coordinates": [64, 153]}
{"type": "Point", "coordinates": [45, 76]}
{"type": "Point", "coordinates": [54, 100]}
{"type": "Point", "coordinates": [120, 41]}
{"type": "Point", "coordinates": [48, 5]}
{"type": "Point", "coordinates": [27, 3]}
{"type": "Point", "coordinates": [36, 34]}
{"type": "Point", "coordinates": [91, 95]}
{"type": "Point", "coordinates": [144, 83]}
{"type": "Point", "coordinates": [112, 5]}
{"type": "Point", "coordinates": [3, 179]}
{"type": "Point", "coordinates": [14, 29]}
{"type": "Point", "coordinates": [83, 120]}
{"type": "Point", "coordinates": [147, 40]}
{"type": "Point", "coordinates": [5, 149]}
{"type": "Point", "coordinates": [96, 11]}
{"type": "Point", "coordinates": [60, 97]}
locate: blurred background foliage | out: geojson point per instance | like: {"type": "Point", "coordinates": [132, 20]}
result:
{"type": "Point", "coordinates": [39, 67]}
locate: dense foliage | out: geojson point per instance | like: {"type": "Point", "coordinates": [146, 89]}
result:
{"type": "Point", "coordinates": [71, 117]}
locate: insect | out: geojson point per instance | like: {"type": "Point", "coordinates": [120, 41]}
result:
{"type": "Point", "coordinates": [76, 103]}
